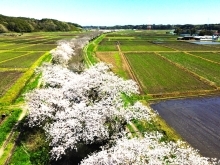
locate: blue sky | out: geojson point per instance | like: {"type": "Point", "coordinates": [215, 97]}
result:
{"type": "Point", "coordinates": [116, 12]}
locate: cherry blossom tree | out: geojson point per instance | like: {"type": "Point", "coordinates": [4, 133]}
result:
{"type": "Point", "coordinates": [147, 150]}
{"type": "Point", "coordinates": [62, 54]}
{"type": "Point", "coordinates": [67, 49]}
{"type": "Point", "coordinates": [86, 107]}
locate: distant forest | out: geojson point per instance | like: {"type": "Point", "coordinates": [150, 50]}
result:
{"type": "Point", "coordinates": [22, 24]}
{"type": "Point", "coordinates": [203, 29]}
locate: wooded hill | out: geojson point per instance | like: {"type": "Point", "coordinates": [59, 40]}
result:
{"type": "Point", "coordinates": [22, 24]}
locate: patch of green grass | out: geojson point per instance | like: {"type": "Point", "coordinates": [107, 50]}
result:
{"type": "Point", "coordinates": [131, 130]}
{"type": "Point", "coordinates": [8, 124]}
{"type": "Point", "coordinates": [158, 125]}
{"type": "Point", "coordinates": [31, 84]}
{"type": "Point", "coordinates": [32, 147]}
{"type": "Point", "coordinates": [20, 157]}
{"type": "Point", "coordinates": [119, 66]}
{"type": "Point", "coordinates": [91, 55]}
{"type": "Point", "coordinates": [131, 45]}
{"type": "Point", "coordinates": [89, 51]}
{"type": "Point", "coordinates": [107, 48]}
{"type": "Point", "coordinates": [144, 48]}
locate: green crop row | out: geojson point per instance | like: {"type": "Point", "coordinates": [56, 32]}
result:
{"type": "Point", "coordinates": [134, 45]}
{"type": "Point", "coordinates": [10, 55]}
{"type": "Point", "coordinates": [186, 46]}
{"type": "Point", "coordinates": [12, 46]}
{"type": "Point", "coordinates": [23, 61]}
{"type": "Point", "coordinates": [107, 48]}
{"type": "Point", "coordinates": [158, 76]}
{"type": "Point", "coordinates": [38, 47]}
{"type": "Point", "coordinates": [202, 67]}
{"type": "Point", "coordinates": [215, 57]}
{"type": "Point", "coordinates": [149, 47]}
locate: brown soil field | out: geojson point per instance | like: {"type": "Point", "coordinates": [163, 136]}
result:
{"type": "Point", "coordinates": [196, 120]}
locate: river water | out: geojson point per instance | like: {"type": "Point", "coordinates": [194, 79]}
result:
{"type": "Point", "coordinates": [197, 120]}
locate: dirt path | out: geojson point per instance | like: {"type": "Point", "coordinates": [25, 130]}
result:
{"type": "Point", "coordinates": [137, 132]}
{"type": "Point", "coordinates": [22, 115]}
{"type": "Point", "coordinates": [128, 68]}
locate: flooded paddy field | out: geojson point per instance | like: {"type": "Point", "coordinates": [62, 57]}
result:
{"type": "Point", "coordinates": [197, 120]}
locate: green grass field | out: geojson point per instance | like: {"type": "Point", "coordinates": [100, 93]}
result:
{"type": "Point", "coordinates": [131, 45]}
{"type": "Point", "coordinates": [214, 57]}
{"type": "Point", "coordinates": [22, 61]}
{"type": "Point", "coordinates": [159, 76]}
{"type": "Point", "coordinates": [146, 47]}
{"type": "Point", "coordinates": [38, 47]}
{"type": "Point", "coordinates": [202, 67]}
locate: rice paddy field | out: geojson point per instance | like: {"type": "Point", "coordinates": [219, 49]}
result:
{"type": "Point", "coordinates": [162, 65]}
{"type": "Point", "coordinates": [19, 52]}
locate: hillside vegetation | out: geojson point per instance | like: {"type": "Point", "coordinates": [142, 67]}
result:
{"type": "Point", "coordinates": [22, 24]}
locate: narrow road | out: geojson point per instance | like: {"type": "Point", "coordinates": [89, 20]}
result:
{"type": "Point", "coordinates": [22, 115]}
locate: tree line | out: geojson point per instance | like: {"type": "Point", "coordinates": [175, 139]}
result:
{"type": "Point", "coordinates": [202, 29]}
{"type": "Point", "coordinates": [23, 24]}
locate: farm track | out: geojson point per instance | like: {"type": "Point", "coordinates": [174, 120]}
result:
{"type": "Point", "coordinates": [12, 133]}
{"type": "Point", "coordinates": [128, 68]}
{"type": "Point", "coordinates": [136, 131]}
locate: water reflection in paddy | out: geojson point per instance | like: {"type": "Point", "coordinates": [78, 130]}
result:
{"type": "Point", "coordinates": [197, 120]}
